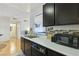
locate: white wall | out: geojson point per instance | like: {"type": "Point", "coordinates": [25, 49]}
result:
{"type": "Point", "coordinates": [4, 28]}
{"type": "Point", "coordinates": [25, 25]}
{"type": "Point", "coordinates": [36, 9]}
{"type": "Point", "coordinates": [38, 23]}
{"type": "Point", "coordinates": [66, 27]}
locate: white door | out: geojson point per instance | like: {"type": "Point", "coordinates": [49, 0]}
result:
{"type": "Point", "coordinates": [13, 30]}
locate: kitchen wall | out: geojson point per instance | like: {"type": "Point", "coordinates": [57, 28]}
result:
{"type": "Point", "coordinates": [24, 24]}
{"type": "Point", "coordinates": [66, 27]}
{"type": "Point", "coordinates": [36, 12]}
{"type": "Point", "coordinates": [4, 28]}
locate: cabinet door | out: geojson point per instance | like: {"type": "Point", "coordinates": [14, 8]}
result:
{"type": "Point", "coordinates": [77, 11]}
{"type": "Point", "coordinates": [38, 50]}
{"type": "Point", "coordinates": [66, 13]}
{"type": "Point", "coordinates": [27, 47]}
{"type": "Point", "coordinates": [53, 53]}
{"type": "Point", "coordinates": [48, 14]}
{"type": "Point", "coordinates": [22, 45]}
{"type": "Point", "coordinates": [35, 52]}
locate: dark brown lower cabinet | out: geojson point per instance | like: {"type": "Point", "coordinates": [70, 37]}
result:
{"type": "Point", "coordinates": [53, 53]}
{"type": "Point", "coordinates": [33, 49]}
{"type": "Point", "coordinates": [22, 44]}
{"type": "Point", "coordinates": [27, 47]}
{"type": "Point", "coordinates": [38, 50]}
{"type": "Point", "coordinates": [35, 52]}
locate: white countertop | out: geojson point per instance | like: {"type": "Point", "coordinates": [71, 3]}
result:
{"type": "Point", "coordinates": [53, 46]}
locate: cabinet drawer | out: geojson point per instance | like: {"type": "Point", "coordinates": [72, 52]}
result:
{"type": "Point", "coordinates": [54, 53]}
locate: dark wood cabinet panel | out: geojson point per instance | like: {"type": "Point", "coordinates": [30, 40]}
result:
{"type": "Point", "coordinates": [77, 12]}
{"type": "Point", "coordinates": [53, 53]}
{"type": "Point", "coordinates": [33, 49]}
{"type": "Point", "coordinates": [22, 45]}
{"type": "Point", "coordinates": [35, 52]}
{"type": "Point", "coordinates": [48, 14]}
{"type": "Point", "coordinates": [27, 47]}
{"type": "Point", "coordinates": [66, 13]}
{"type": "Point", "coordinates": [60, 14]}
{"type": "Point", "coordinates": [38, 50]}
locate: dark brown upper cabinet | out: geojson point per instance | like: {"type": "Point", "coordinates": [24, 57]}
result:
{"type": "Point", "coordinates": [48, 14]}
{"type": "Point", "coordinates": [66, 13]}
{"type": "Point", "coordinates": [60, 14]}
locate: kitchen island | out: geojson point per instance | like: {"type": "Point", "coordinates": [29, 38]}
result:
{"type": "Point", "coordinates": [43, 41]}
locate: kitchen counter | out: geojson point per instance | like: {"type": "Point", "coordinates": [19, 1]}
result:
{"type": "Point", "coordinates": [53, 46]}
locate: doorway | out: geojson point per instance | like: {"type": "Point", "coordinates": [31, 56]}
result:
{"type": "Point", "coordinates": [13, 30]}
{"type": "Point", "coordinates": [14, 40]}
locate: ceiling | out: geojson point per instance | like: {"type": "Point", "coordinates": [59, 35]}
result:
{"type": "Point", "coordinates": [22, 7]}
{"type": "Point", "coordinates": [17, 10]}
